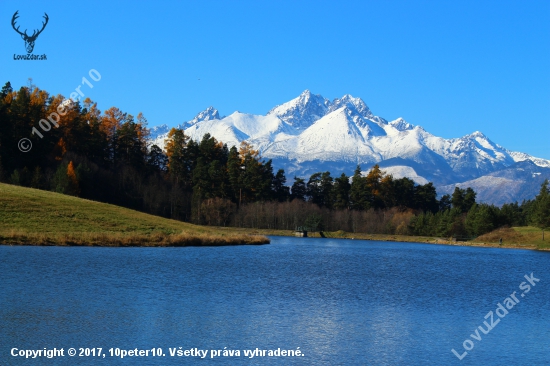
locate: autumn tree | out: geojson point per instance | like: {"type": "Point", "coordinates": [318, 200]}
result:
{"type": "Point", "coordinates": [72, 186]}
{"type": "Point", "coordinates": [178, 165]}
{"type": "Point", "coordinates": [111, 121]}
{"type": "Point", "coordinates": [130, 144]}
{"type": "Point", "coordinates": [374, 186]}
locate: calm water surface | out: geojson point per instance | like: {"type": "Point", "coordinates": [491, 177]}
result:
{"type": "Point", "coordinates": [343, 302]}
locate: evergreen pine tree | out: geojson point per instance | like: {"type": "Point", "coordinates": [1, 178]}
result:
{"type": "Point", "coordinates": [37, 180]}
{"type": "Point", "coordinates": [1, 171]}
{"type": "Point", "coordinates": [342, 189]}
{"type": "Point", "coordinates": [469, 198]}
{"type": "Point", "coordinates": [15, 178]}
{"type": "Point", "coordinates": [425, 198]}
{"type": "Point", "coordinates": [60, 181]}
{"type": "Point", "coordinates": [327, 189]}
{"type": "Point", "coordinates": [314, 189]}
{"type": "Point", "coordinates": [540, 216]}
{"type": "Point", "coordinates": [445, 203]}
{"type": "Point", "coordinates": [280, 191]}
{"type": "Point", "coordinates": [358, 191]}
{"type": "Point", "coordinates": [298, 189]}
{"type": "Point", "coordinates": [234, 174]}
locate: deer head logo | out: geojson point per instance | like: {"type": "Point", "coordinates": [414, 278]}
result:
{"type": "Point", "coordinates": [29, 40]}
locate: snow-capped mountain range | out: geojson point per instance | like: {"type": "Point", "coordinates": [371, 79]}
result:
{"type": "Point", "coordinates": [311, 134]}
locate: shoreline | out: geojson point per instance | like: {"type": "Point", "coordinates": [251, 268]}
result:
{"type": "Point", "coordinates": [131, 241]}
{"type": "Point", "coordinates": [395, 238]}
{"type": "Point", "coordinates": [231, 237]}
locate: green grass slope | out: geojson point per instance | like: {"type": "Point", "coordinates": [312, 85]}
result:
{"type": "Point", "coordinates": [34, 217]}
{"type": "Point", "coordinates": [526, 236]}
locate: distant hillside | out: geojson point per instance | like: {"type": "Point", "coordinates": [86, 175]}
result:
{"type": "Point", "coordinates": [36, 217]}
{"type": "Point", "coordinates": [518, 182]}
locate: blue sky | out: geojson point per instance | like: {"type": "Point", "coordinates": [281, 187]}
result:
{"type": "Point", "coordinates": [453, 67]}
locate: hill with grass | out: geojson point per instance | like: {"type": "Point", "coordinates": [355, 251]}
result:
{"type": "Point", "coordinates": [35, 217]}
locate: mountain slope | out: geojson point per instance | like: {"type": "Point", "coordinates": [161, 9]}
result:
{"type": "Point", "coordinates": [518, 182]}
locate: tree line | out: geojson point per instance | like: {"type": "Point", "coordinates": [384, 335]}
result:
{"type": "Point", "coordinates": [106, 156]}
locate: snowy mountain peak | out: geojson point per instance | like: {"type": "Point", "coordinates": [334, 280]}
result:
{"type": "Point", "coordinates": [355, 104]}
{"type": "Point", "coordinates": [303, 110]}
{"type": "Point", "coordinates": [208, 114]}
{"type": "Point", "coordinates": [477, 135]}
{"type": "Point", "coordinates": [401, 125]}
{"type": "Point", "coordinates": [306, 93]}
{"type": "Point", "coordinates": [156, 131]}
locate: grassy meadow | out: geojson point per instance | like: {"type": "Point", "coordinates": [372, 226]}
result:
{"type": "Point", "coordinates": [35, 217]}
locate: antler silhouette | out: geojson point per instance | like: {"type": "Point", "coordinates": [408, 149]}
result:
{"type": "Point", "coordinates": [29, 40]}
{"type": "Point", "coordinates": [34, 35]}
{"type": "Point", "coordinates": [13, 19]}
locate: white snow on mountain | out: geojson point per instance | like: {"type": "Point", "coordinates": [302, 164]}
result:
{"type": "Point", "coordinates": [334, 137]}
{"type": "Point", "coordinates": [261, 131]}
{"type": "Point", "coordinates": [208, 114]}
{"type": "Point", "coordinates": [311, 133]}
{"type": "Point", "coordinates": [399, 171]}
{"type": "Point", "coordinates": [157, 131]}
{"type": "Point", "coordinates": [401, 125]}
{"type": "Point", "coordinates": [519, 156]}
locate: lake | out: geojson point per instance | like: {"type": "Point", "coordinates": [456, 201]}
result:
{"type": "Point", "coordinates": [324, 301]}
